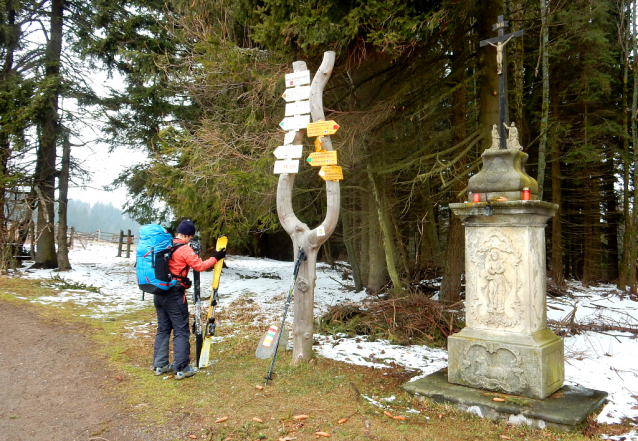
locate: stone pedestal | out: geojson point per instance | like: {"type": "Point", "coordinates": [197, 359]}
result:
{"type": "Point", "coordinates": [506, 345]}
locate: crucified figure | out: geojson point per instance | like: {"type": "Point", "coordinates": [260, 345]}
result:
{"type": "Point", "coordinates": [499, 54]}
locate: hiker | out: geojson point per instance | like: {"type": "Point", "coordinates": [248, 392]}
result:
{"type": "Point", "coordinates": [172, 308]}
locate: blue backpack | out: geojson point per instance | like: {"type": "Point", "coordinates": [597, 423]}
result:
{"type": "Point", "coordinates": [154, 250]}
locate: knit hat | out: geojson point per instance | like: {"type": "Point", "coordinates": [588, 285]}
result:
{"type": "Point", "coordinates": [187, 228]}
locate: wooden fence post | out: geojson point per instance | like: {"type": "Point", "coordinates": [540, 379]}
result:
{"type": "Point", "coordinates": [310, 240]}
{"type": "Point", "coordinates": [129, 241]}
{"type": "Point", "coordinates": [119, 244]}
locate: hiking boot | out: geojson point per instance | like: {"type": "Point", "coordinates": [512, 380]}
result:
{"type": "Point", "coordinates": [186, 372]}
{"type": "Point", "coordinates": [163, 370]}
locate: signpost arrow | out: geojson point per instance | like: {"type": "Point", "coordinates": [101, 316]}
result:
{"type": "Point", "coordinates": [288, 151]}
{"type": "Point", "coordinates": [322, 128]}
{"type": "Point", "coordinates": [297, 93]}
{"type": "Point", "coordinates": [286, 166]}
{"type": "Point", "coordinates": [298, 78]}
{"type": "Point", "coordinates": [294, 122]}
{"type": "Point", "coordinates": [289, 137]}
{"type": "Point", "coordinates": [297, 108]}
{"type": "Point", "coordinates": [318, 159]}
{"type": "Point", "coordinates": [331, 173]}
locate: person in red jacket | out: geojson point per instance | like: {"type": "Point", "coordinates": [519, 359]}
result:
{"type": "Point", "coordinates": [172, 307]}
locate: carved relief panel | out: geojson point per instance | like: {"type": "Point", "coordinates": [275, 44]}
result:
{"type": "Point", "coordinates": [493, 367]}
{"type": "Point", "coordinates": [495, 280]}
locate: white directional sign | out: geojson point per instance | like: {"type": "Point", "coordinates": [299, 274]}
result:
{"type": "Point", "coordinates": [297, 108]}
{"type": "Point", "coordinates": [290, 151]}
{"type": "Point", "coordinates": [295, 122]}
{"type": "Point", "coordinates": [286, 166]}
{"type": "Point", "coordinates": [289, 137]}
{"type": "Point", "coordinates": [298, 78]}
{"type": "Point", "coordinates": [297, 93]}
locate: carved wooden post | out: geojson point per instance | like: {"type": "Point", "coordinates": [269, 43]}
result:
{"type": "Point", "coordinates": [304, 294]}
{"type": "Point", "coordinates": [120, 242]}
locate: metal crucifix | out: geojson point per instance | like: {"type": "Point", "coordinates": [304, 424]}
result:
{"type": "Point", "coordinates": [499, 43]}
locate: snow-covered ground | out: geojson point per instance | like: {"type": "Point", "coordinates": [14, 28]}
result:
{"type": "Point", "coordinates": [606, 361]}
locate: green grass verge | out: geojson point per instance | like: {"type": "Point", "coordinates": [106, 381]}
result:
{"type": "Point", "coordinates": [325, 390]}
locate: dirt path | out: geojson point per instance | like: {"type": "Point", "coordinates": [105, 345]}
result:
{"type": "Point", "coordinates": [52, 387]}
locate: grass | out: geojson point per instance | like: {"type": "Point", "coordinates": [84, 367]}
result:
{"type": "Point", "coordinates": [325, 390]}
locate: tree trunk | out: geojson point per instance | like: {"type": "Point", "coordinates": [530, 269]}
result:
{"type": "Point", "coordinates": [624, 265]}
{"type": "Point", "coordinates": [430, 247]}
{"type": "Point", "coordinates": [545, 104]}
{"type": "Point", "coordinates": [634, 137]}
{"type": "Point", "coordinates": [557, 192]}
{"type": "Point", "coordinates": [386, 231]}
{"type": "Point", "coordinates": [377, 268]}
{"type": "Point", "coordinates": [364, 237]}
{"type": "Point", "coordinates": [454, 262]}
{"type": "Point", "coordinates": [302, 236]}
{"type": "Point", "coordinates": [63, 249]}
{"type": "Point", "coordinates": [348, 241]}
{"type": "Point", "coordinates": [45, 180]}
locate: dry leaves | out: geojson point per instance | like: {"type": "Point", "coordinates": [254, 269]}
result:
{"type": "Point", "coordinates": [221, 420]}
{"type": "Point", "coordinates": [258, 420]}
{"type": "Point", "coordinates": [342, 420]}
{"type": "Point", "coordinates": [259, 387]}
{"type": "Point", "coordinates": [388, 414]}
{"type": "Point", "coordinates": [192, 436]}
{"type": "Point", "coordinates": [326, 434]}
{"type": "Point", "coordinates": [118, 378]}
{"type": "Point", "coordinates": [399, 417]}
{"type": "Point", "coordinates": [300, 417]}
{"type": "Point", "coordinates": [499, 399]}
{"type": "Point", "coordinates": [504, 437]}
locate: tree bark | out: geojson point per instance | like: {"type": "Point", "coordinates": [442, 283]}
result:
{"type": "Point", "coordinates": [302, 236]}
{"type": "Point", "coordinates": [558, 274]}
{"type": "Point", "coordinates": [386, 231]}
{"type": "Point", "coordinates": [454, 262]}
{"type": "Point", "coordinates": [545, 103]}
{"type": "Point", "coordinates": [377, 268]}
{"type": "Point", "coordinates": [624, 265]}
{"type": "Point", "coordinates": [634, 137]}
{"type": "Point", "coordinates": [348, 241]}
{"type": "Point", "coordinates": [364, 237]}
{"type": "Point", "coordinates": [45, 180]}
{"type": "Point", "coordinates": [63, 200]}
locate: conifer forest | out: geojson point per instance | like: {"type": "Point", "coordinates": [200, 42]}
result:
{"type": "Point", "coordinates": [413, 92]}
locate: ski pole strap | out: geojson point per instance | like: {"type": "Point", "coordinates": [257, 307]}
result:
{"type": "Point", "coordinates": [301, 256]}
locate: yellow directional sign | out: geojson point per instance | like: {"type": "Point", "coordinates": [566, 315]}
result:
{"type": "Point", "coordinates": [318, 144]}
{"type": "Point", "coordinates": [331, 173]}
{"type": "Point", "coordinates": [318, 159]}
{"type": "Point", "coordinates": [322, 128]}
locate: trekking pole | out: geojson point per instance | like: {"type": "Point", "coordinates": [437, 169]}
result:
{"type": "Point", "coordinates": [301, 256]}
{"type": "Point", "coordinates": [197, 301]}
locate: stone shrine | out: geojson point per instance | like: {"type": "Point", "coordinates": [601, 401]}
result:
{"type": "Point", "coordinates": [506, 345]}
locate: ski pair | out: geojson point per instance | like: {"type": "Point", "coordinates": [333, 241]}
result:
{"type": "Point", "coordinates": [273, 333]}
{"type": "Point", "coordinates": [204, 331]}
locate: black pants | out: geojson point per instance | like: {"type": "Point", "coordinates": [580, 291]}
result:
{"type": "Point", "coordinates": [172, 315]}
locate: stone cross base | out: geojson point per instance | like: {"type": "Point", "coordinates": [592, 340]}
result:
{"type": "Point", "coordinates": [517, 364]}
{"type": "Point", "coordinates": [506, 345]}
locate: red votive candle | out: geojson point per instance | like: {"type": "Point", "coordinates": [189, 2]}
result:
{"type": "Point", "coordinates": [526, 194]}
{"type": "Point", "coordinates": [476, 197]}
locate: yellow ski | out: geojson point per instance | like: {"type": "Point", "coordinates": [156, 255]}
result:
{"type": "Point", "coordinates": [210, 319]}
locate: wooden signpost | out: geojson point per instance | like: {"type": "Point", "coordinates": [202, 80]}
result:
{"type": "Point", "coordinates": [302, 236]}
{"type": "Point", "coordinates": [322, 128]}
{"type": "Point", "coordinates": [290, 151]}
{"type": "Point", "coordinates": [331, 173]}
{"type": "Point", "coordinates": [317, 159]}
{"type": "Point", "coordinates": [286, 166]}
{"type": "Point", "coordinates": [295, 122]}
{"type": "Point", "coordinates": [296, 94]}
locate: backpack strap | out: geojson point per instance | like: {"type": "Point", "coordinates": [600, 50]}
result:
{"type": "Point", "coordinates": [179, 276]}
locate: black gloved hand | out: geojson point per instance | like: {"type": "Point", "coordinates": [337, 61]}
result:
{"type": "Point", "coordinates": [219, 255]}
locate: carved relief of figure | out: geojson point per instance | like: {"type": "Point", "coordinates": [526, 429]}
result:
{"type": "Point", "coordinates": [512, 137]}
{"type": "Point", "coordinates": [499, 54]}
{"type": "Point", "coordinates": [496, 138]}
{"type": "Point", "coordinates": [497, 286]}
